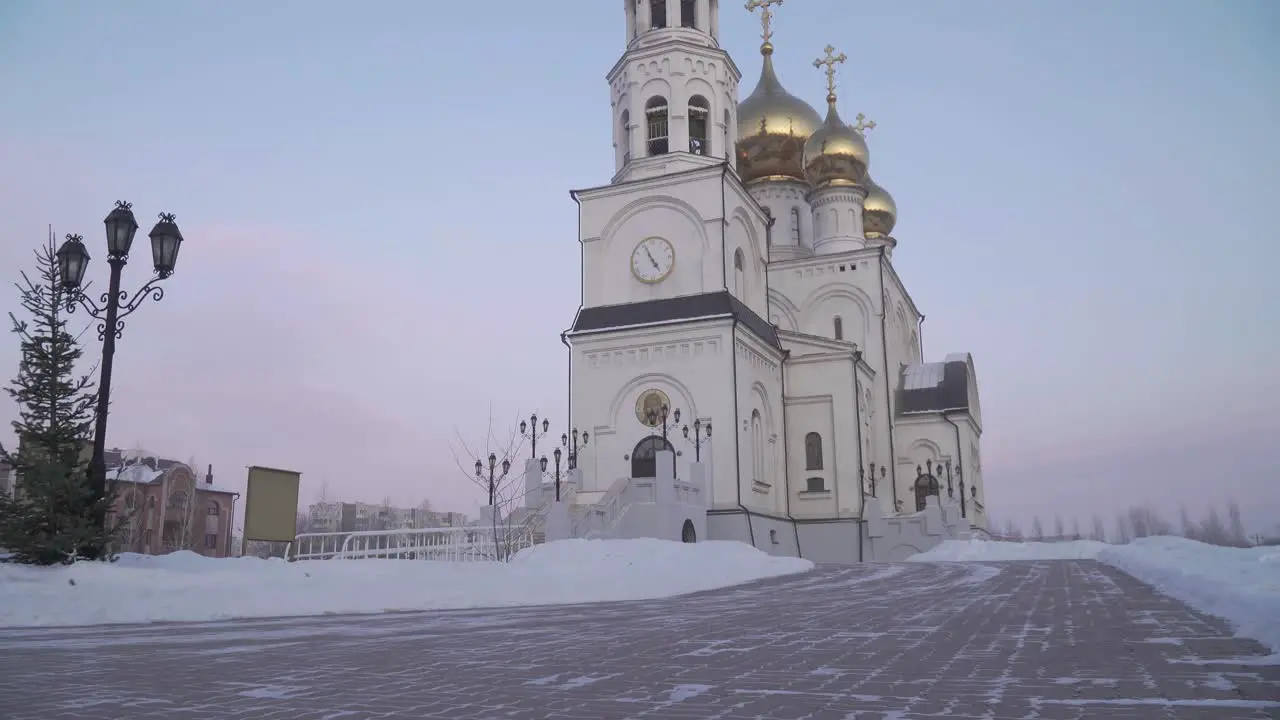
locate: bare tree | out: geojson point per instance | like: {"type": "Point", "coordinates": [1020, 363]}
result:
{"type": "Point", "coordinates": [1058, 532]}
{"type": "Point", "coordinates": [497, 468]}
{"type": "Point", "coordinates": [1213, 531]}
{"type": "Point", "coordinates": [1235, 526]}
{"type": "Point", "coordinates": [1124, 533]}
{"type": "Point", "coordinates": [1075, 529]}
{"type": "Point", "coordinates": [1037, 530]}
{"type": "Point", "coordinates": [1011, 530]}
{"type": "Point", "coordinates": [1189, 529]}
{"type": "Point", "coordinates": [1099, 529]}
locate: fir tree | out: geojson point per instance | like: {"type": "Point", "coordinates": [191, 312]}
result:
{"type": "Point", "coordinates": [53, 516]}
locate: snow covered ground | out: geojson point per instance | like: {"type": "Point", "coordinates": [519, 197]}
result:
{"type": "Point", "coordinates": [1239, 585]}
{"type": "Point", "coordinates": [188, 587]}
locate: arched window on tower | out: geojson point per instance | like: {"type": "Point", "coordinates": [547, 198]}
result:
{"type": "Point", "coordinates": [739, 272]}
{"type": "Point", "coordinates": [768, 228]}
{"type": "Point", "coordinates": [795, 225]}
{"type": "Point", "coordinates": [625, 120]}
{"type": "Point", "coordinates": [688, 15]}
{"type": "Point", "coordinates": [655, 112]}
{"type": "Point", "coordinates": [839, 327]}
{"type": "Point", "coordinates": [757, 448]}
{"type": "Point", "coordinates": [699, 115]}
{"type": "Point", "coordinates": [657, 14]}
{"type": "Point", "coordinates": [813, 451]}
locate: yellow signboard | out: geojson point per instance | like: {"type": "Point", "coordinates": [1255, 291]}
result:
{"type": "Point", "coordinates": [271, 505]}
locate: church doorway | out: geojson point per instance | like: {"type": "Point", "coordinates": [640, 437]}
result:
{"type": "Point", "coordinates": [688, 533]}
{"type": "Point", "coordinates": [644, 459]}
{"type": "Point", "coordinates": [926, 485]}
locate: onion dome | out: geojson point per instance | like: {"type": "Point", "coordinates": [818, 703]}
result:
{"type": "Point", "coordinates": [773, 125]}
{"type": "Point", "coordinates": [879, 212]}
{"type": "Point", "coordinates": [836, 154]}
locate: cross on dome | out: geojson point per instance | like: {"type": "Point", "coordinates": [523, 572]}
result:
{"type": "Point", "coordinates": [830, 61]}
{"type": "Point", "coordinates": [766, 17]}
{"type": "Point", "coordinates": [863, 124]}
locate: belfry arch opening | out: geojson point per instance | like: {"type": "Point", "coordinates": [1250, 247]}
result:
{"type": "Point", "coordinates": [655, 111]}
{"type": "Point", "coordinates": [699, 120]}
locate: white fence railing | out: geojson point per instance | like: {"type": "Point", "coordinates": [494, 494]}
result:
{"type": "Point", "coordinates": [461, 544]}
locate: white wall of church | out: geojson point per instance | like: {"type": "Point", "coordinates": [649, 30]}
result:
{"type": "Point", "coordinates": [760, 424]}
{"type": "Point", "coordinates": [691, 363]}
{"type": "Point", "coordinates": [820, 405]}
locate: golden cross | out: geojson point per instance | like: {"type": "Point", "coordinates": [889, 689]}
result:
{"type": "Point", "coordinates": [863, 124]}
{"type": "Point", "coordinates": [766, 15]}
{"type": "Point", "coordinates": [831, 60]}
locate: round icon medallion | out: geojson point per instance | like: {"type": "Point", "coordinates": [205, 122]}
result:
{"type": "Point", "coordinates": [649, 407]}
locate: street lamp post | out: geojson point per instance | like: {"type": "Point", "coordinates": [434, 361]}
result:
{"type": "Point", "coordinates": [951, 491]}
{"type": "Point", "coordinates": [869, 474]}
{"type": "Point", "coordinates": [494, 478]}
{"type": "Point", "coordinates": [530, 430]}
{"type": "Point", "coordinates": [699, 437]}
{"type": "Point", "coordinates": [73, 260]}
{"type": "Point", "coordinates": [543, 463]}
{"type": "Point", "coordinates": [573, 449]}
{"type": "Point", "coordinates": [960, 479]}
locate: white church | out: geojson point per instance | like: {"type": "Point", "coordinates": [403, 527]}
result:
{"type": "Point", "coordinates": [745, 351]}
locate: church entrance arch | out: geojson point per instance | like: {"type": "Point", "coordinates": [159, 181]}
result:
{"type": "Point", "coordinates": [688, 533]}
{"type": "Point", "coordinates": [926, 485]}
{"type": "Point", "coordinates": [644, 459]}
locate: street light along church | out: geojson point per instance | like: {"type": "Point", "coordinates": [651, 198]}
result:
{"type": "Point", "coordinates": [739, 268]}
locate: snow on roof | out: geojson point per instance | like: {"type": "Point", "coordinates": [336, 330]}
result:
{"type": "Point", "coordinates": [137, 473]}
{"type": "Point", "coordinates": [921, 376]}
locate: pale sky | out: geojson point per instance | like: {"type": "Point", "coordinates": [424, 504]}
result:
{"type": "Point", "coordinates": [381, 245]}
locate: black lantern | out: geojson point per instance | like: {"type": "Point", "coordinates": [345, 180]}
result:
{"type": "Point", "coordinates": [479, 469]}
{"type": "Point", "coordinates": [121, 227]}
{"type": "Point", "coordinates": [543, 461]}
{"type": "Point", "coordinates": [73, 260]}
{"type": "Point", "coordinates": [166, 239]}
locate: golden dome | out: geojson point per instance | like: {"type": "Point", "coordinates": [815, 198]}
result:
{"type": "Point", "coordinates": [772, 127]}
{"type": "Point", "coordinates": [836, 154]}
{"type": "Point", "coordinates": [879, 211]}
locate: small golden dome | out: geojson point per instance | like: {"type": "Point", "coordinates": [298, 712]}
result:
{"type": "Point", "coordinates": [879, 211]}
{"type": "Point", "coordinates": [772, 127]}
{"type": "Point", "coordinates": [836, 154]}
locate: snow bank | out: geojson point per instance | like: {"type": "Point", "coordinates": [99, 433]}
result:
{"type": "Point", "coordinates": [1239, 585]}
{"type": "Point", "coordinates": [994, 550]}
{"type": "Point", "coordinates": [188, 587]}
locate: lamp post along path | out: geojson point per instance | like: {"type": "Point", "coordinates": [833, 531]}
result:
{"type": "Point", "coordinates": [73, 260]}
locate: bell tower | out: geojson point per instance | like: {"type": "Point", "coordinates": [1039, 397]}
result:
{"type": "Point", "coordinates": [674, 91]}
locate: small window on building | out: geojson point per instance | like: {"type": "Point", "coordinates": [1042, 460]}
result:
{"type": "Point", "coordinates": [839, 327]}
{"type": "Point", "coordinates": [657, 13]}
{"type": "Point", "coordinates": [656, 114]}
{"type": "Point", "coordinates": [688, 14]}
{"type": "Point", "coordinates": [210, 540]}
{"type": "Point", "coordinates": [795, 225]}
{"type": "Point", "coordinates": [699, 117]}
{"type": "Point", "coordinates": [815, 485]}
{"type": "Point", "coordinates": [813, 451]}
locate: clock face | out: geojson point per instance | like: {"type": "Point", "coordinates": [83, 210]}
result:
{"type": "Point", "coordinates": [653, 260]}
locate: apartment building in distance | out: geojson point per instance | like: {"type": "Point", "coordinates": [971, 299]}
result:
{"type": "Point", "coordinates": [358, 517]}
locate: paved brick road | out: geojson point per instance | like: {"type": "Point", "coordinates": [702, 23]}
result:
{"type": "Point", "coordinates": [1011, 640]}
